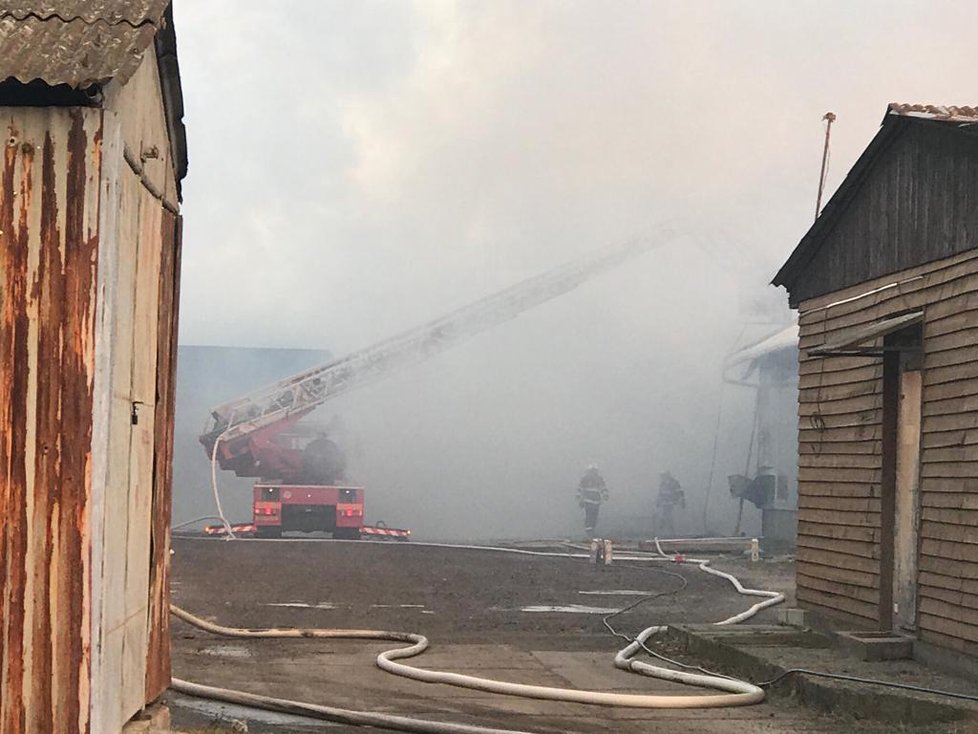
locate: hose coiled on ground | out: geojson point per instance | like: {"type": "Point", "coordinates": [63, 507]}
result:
{"type": "Point", "coordinates": [734, 692]}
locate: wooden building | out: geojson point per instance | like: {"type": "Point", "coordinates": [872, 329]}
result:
{"type": "Point", "coordinates": [93, 151]}
{"type": "Point", "coordinates": [886, 286]}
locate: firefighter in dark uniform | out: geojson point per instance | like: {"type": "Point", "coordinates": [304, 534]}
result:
{"type": "Point", "coordinates": [669, 497]}
{"type": "Point", "coordinates": [591, 492]}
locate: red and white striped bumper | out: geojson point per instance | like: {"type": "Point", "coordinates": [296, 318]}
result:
{"type": "Point", "coordinates": [368, 531]}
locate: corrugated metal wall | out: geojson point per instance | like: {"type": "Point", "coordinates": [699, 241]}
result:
{"type": "Point", "coordinates": [49, 246]}
{"type": "Point", "coordinates": [840, 446]}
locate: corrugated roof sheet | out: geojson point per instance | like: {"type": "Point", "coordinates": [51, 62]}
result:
{"type": "Point", "coordinates": [133, 12]}
{"type": "Point", "coordinates": [935, 112]}
{"type": "Point", "coordinates": [76, 42]}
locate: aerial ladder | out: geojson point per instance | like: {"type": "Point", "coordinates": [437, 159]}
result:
{"type": "Point", "coordinates": [301, 472]}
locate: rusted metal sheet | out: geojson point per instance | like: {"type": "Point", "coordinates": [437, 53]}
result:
{"type": "Point", "coordinates": [133, 12]}
{"type": "Point", "coordinates": [48, 259]}
{"type": "Point", "coordinates": [158, 654]}
{"type": "Point", "coordinates": [73, 52]}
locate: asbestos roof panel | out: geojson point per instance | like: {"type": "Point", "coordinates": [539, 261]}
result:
{"type": "Point", "coordinates": [98, 44]}
{"type": "Point", "coordinates": [935, 112]}
{"type": "Point", "coordinates": [133, 12]}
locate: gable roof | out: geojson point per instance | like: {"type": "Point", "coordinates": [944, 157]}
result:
{"type": "Point", "coordinates": [894, 122]}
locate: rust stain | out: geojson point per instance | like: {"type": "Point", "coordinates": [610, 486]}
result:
{"type": "Point", "coordinates": [13, 434]}
{"type": "Point", "coordinates": [62, 292]}
{"type": "Point", "coordinates": [47, 291]}
{"type": "Point", "coordinates": [76, 426]}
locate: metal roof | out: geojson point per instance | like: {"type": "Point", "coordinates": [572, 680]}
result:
{"type": "Point", "coordinates": [781, 341]}
{"type": "Point", "coordinates": [934, 112]}
{"type": "Point", "coordinates": [76, 42]}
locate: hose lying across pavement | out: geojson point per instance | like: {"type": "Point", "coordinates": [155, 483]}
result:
{"type": "Point", "coordinates": [735, 692]}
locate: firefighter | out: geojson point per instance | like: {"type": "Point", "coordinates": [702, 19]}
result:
{"type": "Point", "coordinates": [591, 492]}
{"type": "Point", "coordinates": [669, 497]}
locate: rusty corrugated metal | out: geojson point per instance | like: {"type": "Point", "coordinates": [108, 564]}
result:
{"type": "Point", "coordinates": [48, 259]}
{"type": "Point", "coordinates": [133, 12]}
{"type": "Point", "coordinates": [72, 50]}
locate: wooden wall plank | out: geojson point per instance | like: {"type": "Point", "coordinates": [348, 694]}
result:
{"type": "Point", "coordinates": [945, 517]}
{"type": "Point", "coordinates": [158, 659]}
{"type": "Point", "coordinates": [811, 530]}
{"type": "Point", "coordinates": [959, 569]}
{"type": "Point", "coordinates": [861, 548]}
{"type": "Point", "coordinates": [826, 567]}
{"type": "Point", "coordinates": [854, 614]}
{"type": "Point", "coordinates": [928, 633]}
{"type": "Point", "coordinates": [848, 597]}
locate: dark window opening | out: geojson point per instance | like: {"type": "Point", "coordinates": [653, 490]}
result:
{"type": "Point", "coordinates": [908, 341]}
{"type": "Point", "coordinates": [37, 93]}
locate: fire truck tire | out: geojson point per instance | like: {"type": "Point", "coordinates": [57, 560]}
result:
{"type": "Point", "coordinates": [268, 532]}
{"type": "Point", "coordinates": [346, 534]}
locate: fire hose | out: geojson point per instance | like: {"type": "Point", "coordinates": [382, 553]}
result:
{"type": "Point", "coordinates": [734, 692]}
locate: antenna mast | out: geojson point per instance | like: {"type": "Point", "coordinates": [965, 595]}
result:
{"type": "Point", "coordinates": [829, 118]}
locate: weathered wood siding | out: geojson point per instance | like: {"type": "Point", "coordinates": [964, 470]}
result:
{"type": "Point", "coordinates": [49, 248]}
{"type": "Point", "coordinates": [916, 202]}
{"type": "Point", "coordinates": [133, 453]}
{"type": "Point", "coordinates": [840, 405]}
{"type": "Point", "coordinates": [158, 652]}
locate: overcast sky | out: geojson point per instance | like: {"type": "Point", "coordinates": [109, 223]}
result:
{"type": "Point", "coordinates": [358, 167]}
{"type": "Point", "coordinates": [376, 162]}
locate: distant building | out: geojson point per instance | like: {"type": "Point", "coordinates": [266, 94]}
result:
{"type": "Point", "coordinates": [770, 368]}
{"type": "Point", "coordinates": [886, 286]}
{"type": "Point", "coordinates": [93, 152]}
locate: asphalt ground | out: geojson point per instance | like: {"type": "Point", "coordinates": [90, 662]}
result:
{"type": "Point", "coordinates": [477, 609]}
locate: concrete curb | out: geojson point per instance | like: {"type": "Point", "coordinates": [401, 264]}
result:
{"type": "Point", "coordinates": [725, 648]}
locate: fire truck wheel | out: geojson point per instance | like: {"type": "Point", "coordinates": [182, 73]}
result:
{"type": "Point", "coordinates": [269, 532]}
{"type": "Point", "coordinates": [346, 534]}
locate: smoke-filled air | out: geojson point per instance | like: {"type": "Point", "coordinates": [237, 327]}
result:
{"type": "Point", "coordinates": [363, 168]}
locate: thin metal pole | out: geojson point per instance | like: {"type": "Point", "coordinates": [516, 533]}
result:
{"type": "Point", "coordinates": [829, 118]}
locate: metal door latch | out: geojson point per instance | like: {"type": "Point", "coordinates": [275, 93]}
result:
{"type": "Point", "coordinates": [134, 415]}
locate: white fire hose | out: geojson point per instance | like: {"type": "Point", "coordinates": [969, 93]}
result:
{"type": "Point", "coordinates": [771, 597]}
{"type": "Point", "coordinates": [735, 692]}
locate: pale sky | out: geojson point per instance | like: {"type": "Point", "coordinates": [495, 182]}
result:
{"type": "Point", "coordinates": [373, 163]}
{"type": "Point", "coordinates": [359, 167]}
